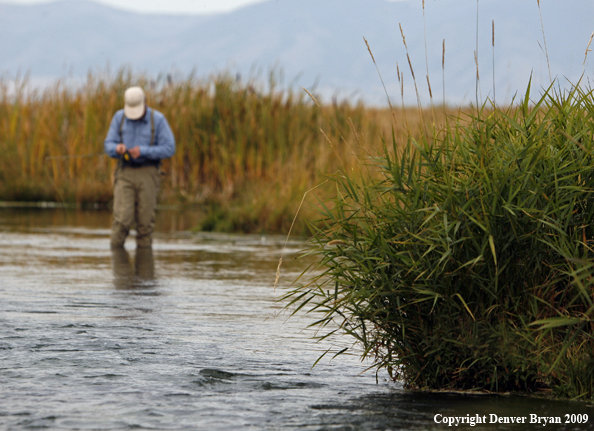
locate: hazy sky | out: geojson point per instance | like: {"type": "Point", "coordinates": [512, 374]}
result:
{"type": "Point", "coordinates": [166, 6]}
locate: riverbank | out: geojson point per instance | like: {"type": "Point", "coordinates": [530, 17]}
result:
{"type": "Point", "coordinates": [247, 152]}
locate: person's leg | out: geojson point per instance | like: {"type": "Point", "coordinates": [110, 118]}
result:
{"type": "Point", "coordinates": [123, 278]}
{"type": "Point", "coordinates": [149, 183]}
{"type": "Point", "coordinates": [144, 264]}
{"type": "Point", "coordinates": [123, 208]}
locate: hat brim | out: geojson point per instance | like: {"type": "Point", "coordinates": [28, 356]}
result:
{"type": "Point", "coordinates": [134, 112]}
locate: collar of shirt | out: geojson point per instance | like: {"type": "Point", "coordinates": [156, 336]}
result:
{"type": "Point", "coordinates": [145, 118]}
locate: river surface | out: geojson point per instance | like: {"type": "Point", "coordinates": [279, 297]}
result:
{"type": "Point", "coordinates": [189, 336]}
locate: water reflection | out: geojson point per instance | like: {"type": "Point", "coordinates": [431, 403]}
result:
{"type": "Point", "coordinates": [187, 338]}
{"type": "Point", "coordinates": [139, 275]}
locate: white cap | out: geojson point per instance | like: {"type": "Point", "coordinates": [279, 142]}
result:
{"type": "Point", "coordinates": [134, 103]}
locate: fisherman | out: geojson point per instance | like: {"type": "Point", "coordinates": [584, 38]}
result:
{"type": "Point", "coordinates": [140, 138]}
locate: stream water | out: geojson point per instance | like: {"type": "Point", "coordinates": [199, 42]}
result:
{"type": "Point", "coordinates": [190, 336]}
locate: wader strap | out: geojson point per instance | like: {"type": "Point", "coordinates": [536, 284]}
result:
{"type": "Point", "coordinates": [152, 127]}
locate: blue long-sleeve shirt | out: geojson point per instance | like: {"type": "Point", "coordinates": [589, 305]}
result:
{"type": "Point", "coordinates": [138, 133]}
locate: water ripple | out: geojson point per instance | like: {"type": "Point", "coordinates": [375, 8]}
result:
{"type": "Point", "coordinates": [182, 338]}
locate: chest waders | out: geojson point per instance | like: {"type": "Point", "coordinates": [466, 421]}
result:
{"type": "Point", "coordinates": [135, 197]}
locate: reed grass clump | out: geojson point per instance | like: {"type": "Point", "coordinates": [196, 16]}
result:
{"type": "Point", "coordinates": [467, 264]}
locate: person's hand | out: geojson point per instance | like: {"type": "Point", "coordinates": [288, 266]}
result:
{"type": "Point", "coordinates": [120, 149]}
{"type": "Point", "coordinates": [134, 152]}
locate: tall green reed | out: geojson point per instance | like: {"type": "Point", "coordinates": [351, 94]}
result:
{"type": "Point", "coordinates": [467, 264]}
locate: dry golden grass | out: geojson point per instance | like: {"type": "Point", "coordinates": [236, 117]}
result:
{"type": "Point", "coordinates": [245, 152]}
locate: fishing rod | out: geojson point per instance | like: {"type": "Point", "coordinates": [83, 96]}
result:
{"type": "Point", "coordinates": [126, 156]}
{"type": "Point", "coordinates": [76, 156]}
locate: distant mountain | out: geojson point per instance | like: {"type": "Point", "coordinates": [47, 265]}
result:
{"type": "Point", "coordinates": [316, 43]}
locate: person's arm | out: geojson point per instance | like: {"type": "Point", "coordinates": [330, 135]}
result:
{"type": "Point", "coordinates": [164, 145]}
{"type": "Point", "coordinates": [113, 138]}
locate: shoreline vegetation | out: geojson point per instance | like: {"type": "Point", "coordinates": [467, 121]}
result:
{"type": "Point", "coordinates": [467, 264]}
{"type": "Point", "coordinates": [246, 153]}
{"type": "Point", "coordinates": [455, 246]}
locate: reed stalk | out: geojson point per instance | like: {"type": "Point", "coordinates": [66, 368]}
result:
{"type": "Point", "coordinates": [493, 48]}
{"type": "Point", "coordinates": [544, 39]}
